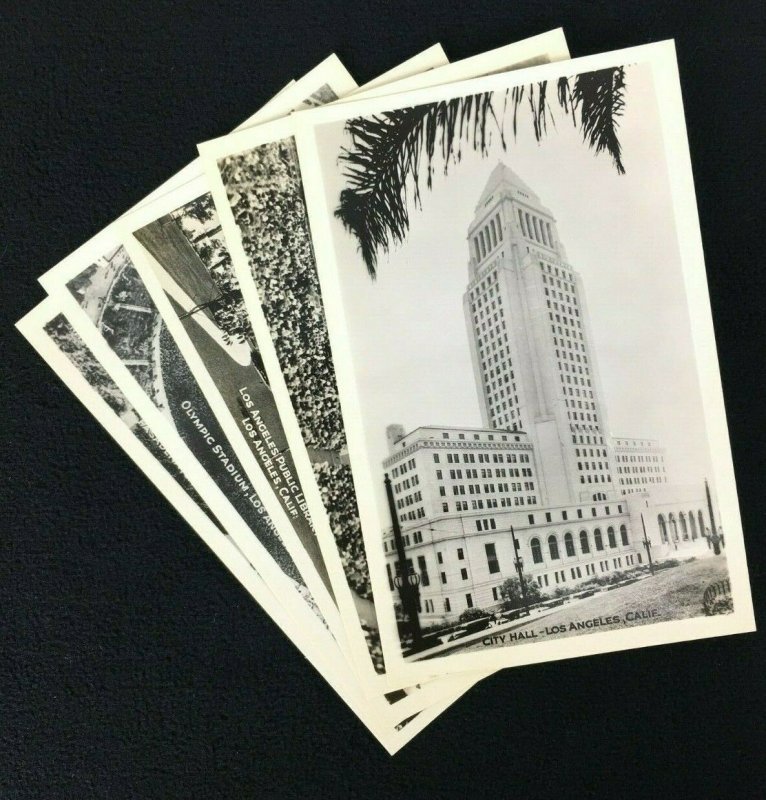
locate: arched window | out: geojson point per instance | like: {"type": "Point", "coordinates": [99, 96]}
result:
{"type": "Point", "coordinates": [624, 534]}
{"type": "Point", "coordinates": [569, 544]}
{"type": "Point", "coordinates": [673, 527]}
{"type": "Point", "coordinates": [612, 538]}
{"type": "Point", "coordinates": [537, 551]}
{"type": "Point", "coordinates": [553, 547]}
{"type": "Point", "coordinates": [701, 520]}
{"type": "Point", "coordinates": [597, 539]}
{"type": "Point", "coordinates": [584, 545]}
{"type": "Point", "coordinates": [684, 529]}
{"type": "Point", "coordinates": [663, 528]}
{"type": "Point", "coordinates": [692, 525]}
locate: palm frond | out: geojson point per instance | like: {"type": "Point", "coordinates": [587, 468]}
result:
{"type": "Point", "coordinates": [600, 98]}
{"type": "Point", "coordinates": [384, 162]}
{"type": "Point", "coordinates": [386, 156]}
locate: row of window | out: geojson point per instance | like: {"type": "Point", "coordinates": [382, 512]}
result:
{"type": "Point", "coordinates": [506, 377]}
{"type": "Point", "coordinates": [535, 228]}
{"type": "Point", "coordinates": [571, 313]}
{"type": "Point", "coordinates": [577, 380]}
{"type": "Point", "coordinates": [492, 334]}
{"type": "Point", "coordinates": [487, 281]}
{"type": "Point", "coordinates": [639, 470]}
{"type": "Point", "coordinates": [488, 237]}
{"type": "Point", "coordinates": [491, 437]}
{"type": "Point", "coordinates": [560, 576]}
{"type": "Point", "coordinates": [485, 290]}
{"type": "Point", "coordinates": [485, 458]}
{"type": "Point", "coordinates": [563, 274]}
{"type": "Point", "coordinates": [569, 543]}
{"type": "Point", "coordinates": [590, 478]}
{"type": "Point", "coordinates": [585, 438]}
{"type": "Point", "coordinates": [486, 472]}
{"type": "Point", "coordinates": [643, 481]}
{"type": "Point", "coordinates": [411, 516]}
{"type": "Point", "coordinates": [485, 317]}
{"type": "Point", "coordinates": [489, 488]}
{"type": "Point", "coordinates": [409, 500]}
{"type": "Point", "coordinates": [491, 502]}
{"type": "Point", "coordinates": [679, 527]}
{"type": "Point", "coordinates": [407, 483]}
{"type": "Point", "coordinates": [570, 335]}
{"type": "Point", "coordinates": [403, 468]}
{"type": "Point", "coordinates": [565, 514]}
{"type": "Point", "coordinates": [493, 564]}
{"type": "Point", "coordinates": [585, 452]}
{"type": "Point", "coordinates": [489, 302]}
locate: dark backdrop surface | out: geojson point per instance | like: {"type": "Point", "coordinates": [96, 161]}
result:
{"type": "Point", "coordinates": [132, 664]}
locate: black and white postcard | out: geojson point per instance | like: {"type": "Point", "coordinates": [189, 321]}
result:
{"type": "Point", "coordinates": [49, 331]}
{"type": "Point", "coordinates": [512, 276]}
{"type": "Point", "coordinates": [256, 184]}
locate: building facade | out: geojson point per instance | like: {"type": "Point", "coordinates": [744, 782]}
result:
{"type": "Point", "coordinates": [544, 470]}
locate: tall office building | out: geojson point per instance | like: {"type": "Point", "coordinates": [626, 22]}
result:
{"type": "Point", "coordinates": [531, 344]}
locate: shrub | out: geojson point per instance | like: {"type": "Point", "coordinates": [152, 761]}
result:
{"type": "Point", "coordinates": [470, 614]}
{"type": "Point", "coordinates": [668, 563]}
{"type": "Point", "coordinates": [512, 596]}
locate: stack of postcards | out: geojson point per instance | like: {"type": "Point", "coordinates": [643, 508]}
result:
{"type": "Point", "coordinates": [350, 343]}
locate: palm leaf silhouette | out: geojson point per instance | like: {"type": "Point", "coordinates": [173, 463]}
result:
{"type": "Point", "coordinates": [388, 151]}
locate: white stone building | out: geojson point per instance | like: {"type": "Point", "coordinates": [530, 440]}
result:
{"type": "Point", "coordinates": [544, 465]}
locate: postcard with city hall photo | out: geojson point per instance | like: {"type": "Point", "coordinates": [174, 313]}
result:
{"type": "Point", "coordinates": [512, 276]}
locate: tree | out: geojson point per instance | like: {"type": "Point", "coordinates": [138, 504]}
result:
{"type": "Point", "coordinates": [510, 591]}
{"type": "Point", "coordinates": [388, 149]}
{"type": "Point", "coordinates": [471, 614]}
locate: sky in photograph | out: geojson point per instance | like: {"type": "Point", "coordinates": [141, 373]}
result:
{"type": "Point", "coordinates": [407, 330]}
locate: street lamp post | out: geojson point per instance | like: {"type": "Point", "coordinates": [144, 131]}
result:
{"type": "Point", "coordinates": [518, 562]}
{"type": "Point", "coordinates": [406, 583]}
{"type": "Point", "coordinates": [715, 539]}
{"type": "Point", "coordinates": [648, 546]}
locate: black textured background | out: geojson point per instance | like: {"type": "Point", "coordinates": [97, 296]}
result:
{"type": "Point", "coordinates": [131, 664]}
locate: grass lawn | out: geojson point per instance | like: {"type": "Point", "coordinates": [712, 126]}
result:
{"type": "Point", "coordinates": [673, 593]}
